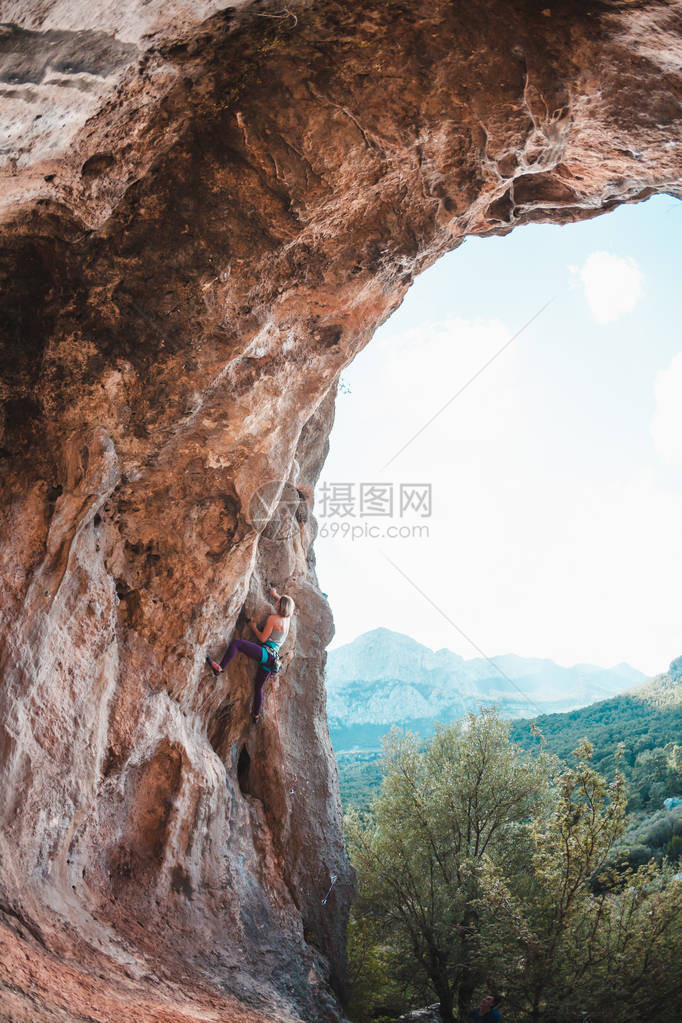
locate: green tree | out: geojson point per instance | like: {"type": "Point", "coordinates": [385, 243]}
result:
{"type": "Point", "coordinates": [374, 992]}
{"type": "Point", "coordinates": [576, 935]}
{"type": "Point", "coordinates": [650, 777]}
{"type": "Point", "coordinates": [548, 912]}
{"type": "Point", "coordinates": [443, 816]}
{"type": "Point", "coordinates": [638, 944]}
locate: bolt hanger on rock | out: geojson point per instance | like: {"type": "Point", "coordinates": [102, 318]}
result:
{"type": "Point", "coordinates": [334, 879]}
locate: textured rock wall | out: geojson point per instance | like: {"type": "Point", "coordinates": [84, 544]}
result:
{"type": "Point", "coordinates": [205, 215]}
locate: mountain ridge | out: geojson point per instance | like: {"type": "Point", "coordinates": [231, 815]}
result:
{"type": "Point", "coordinates": [385, 677]}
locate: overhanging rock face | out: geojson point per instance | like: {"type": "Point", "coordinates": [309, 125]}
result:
{"type": "Point", "coordinates": [205, 215]}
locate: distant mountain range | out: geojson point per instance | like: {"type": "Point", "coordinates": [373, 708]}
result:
{"type": "Point", "coordinates": [384, 678]}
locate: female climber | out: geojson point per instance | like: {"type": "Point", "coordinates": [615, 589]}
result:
{"type": "Point", "coordinates": [272, 636]}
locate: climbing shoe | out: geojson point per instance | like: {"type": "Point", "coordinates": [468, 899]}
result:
{"type": "Point", "coordinates": [214, 666]}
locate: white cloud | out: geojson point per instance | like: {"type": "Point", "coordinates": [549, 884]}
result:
{"type": "Point", "coordinates": [666, 425]}
{"type": "Point", "coordinates": [613, 285]}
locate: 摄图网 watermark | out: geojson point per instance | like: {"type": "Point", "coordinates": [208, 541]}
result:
{"type": "Point", "coordinates": [364, 531]}
{"type": "Point", "coordinates": [343, 510]}
{"type": "Point", "coordinates": [373, 500]}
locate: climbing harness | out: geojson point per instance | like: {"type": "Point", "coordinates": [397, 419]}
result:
{"type": "Point", "coordinates": [334, 879]}
{"type": "Point", "coordinates": [273, 662]}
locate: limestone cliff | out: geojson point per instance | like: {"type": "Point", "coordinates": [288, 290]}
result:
{"type": "Point", "coordinates": [205, 214]}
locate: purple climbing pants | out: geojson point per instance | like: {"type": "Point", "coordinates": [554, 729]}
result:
{"type": "Point", "coordinates": [255, 652]}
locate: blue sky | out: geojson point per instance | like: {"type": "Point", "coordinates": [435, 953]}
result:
{"type": "Point", "coordinates": [556, 476]}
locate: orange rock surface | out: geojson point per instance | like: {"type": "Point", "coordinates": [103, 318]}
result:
{"type": "Point", "coordinates": [205, 215]}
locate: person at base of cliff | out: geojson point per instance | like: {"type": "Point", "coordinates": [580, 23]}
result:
{"type": "Point", "coordinates": [486, 1011]}
{"type": "Point", "coordinates": [272, 636]}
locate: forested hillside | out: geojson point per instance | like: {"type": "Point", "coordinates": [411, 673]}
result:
{"type": "Point", "coordinates": [647, 720]}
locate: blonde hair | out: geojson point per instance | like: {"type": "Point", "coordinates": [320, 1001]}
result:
{"type": "Point", "coordinates": [286, 606]}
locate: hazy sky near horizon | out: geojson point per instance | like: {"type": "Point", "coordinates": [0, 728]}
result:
{"type": "Point", "coordinates": [556, 475]}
